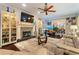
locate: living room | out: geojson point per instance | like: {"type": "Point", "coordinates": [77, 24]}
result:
{"type": "Point", "coordinates": [23, 27]}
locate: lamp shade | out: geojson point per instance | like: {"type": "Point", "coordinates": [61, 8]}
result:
{"type": "Point", "coordinates": [73, 27]}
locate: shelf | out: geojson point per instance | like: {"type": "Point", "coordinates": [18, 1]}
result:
{"type": "Point", "coordinates": [8, 43]}
{"type": "Point", "coordinates": [13, 36]}
{"type": "Point", "coordinates": [5, 31]}
{"type": "Point", "coordinates": [4, 41]}
{"type": "Point", "coordinates": [5, 37]}
{"type": "Point", "coordinates": [5, 28]}
{"type": "Point", "coordinates": [13, 27]}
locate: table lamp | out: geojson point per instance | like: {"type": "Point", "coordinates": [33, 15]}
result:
{"type": "Point", "coordinates": [74, 29]}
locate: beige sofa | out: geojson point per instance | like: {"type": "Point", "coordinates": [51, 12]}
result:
{"type": "Point", "coordinates": [69, 44]}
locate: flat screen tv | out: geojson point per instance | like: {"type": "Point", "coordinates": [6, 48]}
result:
{"type": "Point", "coordinates": [26, 17]}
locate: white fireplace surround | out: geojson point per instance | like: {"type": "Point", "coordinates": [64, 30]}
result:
{"type": "Point", "coordinates": [23, 26]}
{"type": "Point", "coordinates": [26, 29]}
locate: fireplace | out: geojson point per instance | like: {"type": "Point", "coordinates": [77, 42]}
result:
{"type": "Point", "coordinates": [26, 34]}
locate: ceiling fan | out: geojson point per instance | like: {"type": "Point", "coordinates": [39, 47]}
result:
{"type": "Point", "coordinates": [47, 9]}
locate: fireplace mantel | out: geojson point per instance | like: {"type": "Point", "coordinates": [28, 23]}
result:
{"type": "Point", "coordinates": [25, 24]}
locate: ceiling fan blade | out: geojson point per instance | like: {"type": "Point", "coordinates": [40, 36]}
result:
{"type": "Point", "coordinates": [40, 8]}
{"type": "Point", "coordinates": [45, 3]}
{"type": "Point", "coordinates": [51, 10]}
{"type": "Point", "coordinates": [41, 12]}
{"type": "Point", "coordinates": [49, 7]}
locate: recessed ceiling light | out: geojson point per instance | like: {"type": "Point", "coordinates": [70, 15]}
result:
{"type": "Point", "coordinates": [24, 5]}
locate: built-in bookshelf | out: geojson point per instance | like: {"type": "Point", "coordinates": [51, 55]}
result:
{"type": "Point", "coordinates": [13, 27]}
{"type": "Point", "coordinates": [7, 28]}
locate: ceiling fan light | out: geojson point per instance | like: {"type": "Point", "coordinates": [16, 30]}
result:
{"type": "Point", "coordinates": [38, 12]}
{"type": "Point", "coordinates": [24, 5]}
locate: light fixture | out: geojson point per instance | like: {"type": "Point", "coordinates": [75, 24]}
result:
{"type": "Point", "coordinates": [74, 29]}
{"type": "Point", "coordinates": [5, 15]}
{"type": "Point", "coordinates": [28, 17]}
{"type": "Point", "coordinates": [38, 12]}
{"type": "Point", "coordinates": [24, 5]}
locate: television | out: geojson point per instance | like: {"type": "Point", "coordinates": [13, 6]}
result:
{"type": "Point", "coordinates": [26, 17]}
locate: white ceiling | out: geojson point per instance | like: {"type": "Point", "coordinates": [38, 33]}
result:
{"type": "Point", "coordinates": [61, 8]}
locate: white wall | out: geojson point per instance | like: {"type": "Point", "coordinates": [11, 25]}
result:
{"type": "Point", "coordinates": [18, 13]}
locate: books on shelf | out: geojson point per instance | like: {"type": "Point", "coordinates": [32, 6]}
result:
{"type": "Point", "coordinates": [8, 27]}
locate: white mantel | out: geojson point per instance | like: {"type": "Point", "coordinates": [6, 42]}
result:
{"type": "Point", "coordinates": [25, 24]}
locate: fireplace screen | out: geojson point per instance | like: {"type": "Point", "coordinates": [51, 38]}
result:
{"type": "Point", "coordinates": [26, 33]}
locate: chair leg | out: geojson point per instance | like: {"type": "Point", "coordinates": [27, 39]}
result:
{"type": "Point", "coordinates": [46, 40]}
{"type": "Point", "coordinates": [40, 42]}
